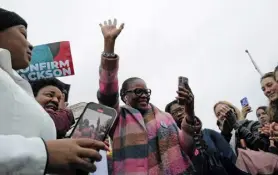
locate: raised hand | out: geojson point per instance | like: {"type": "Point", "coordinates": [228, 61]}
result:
{"type": "Point", "coordinates": [109, 29]}
{"type": "Point", "coordinates": [62, 103]}
{"type": "Point", "coordinates": [186, 97]}
{"type": "Point", "coordinates": [246, 110]}
{"type": "Point", "coordinates": [232, 119]}
{"type": "Point", "coordinates": [230, 116]}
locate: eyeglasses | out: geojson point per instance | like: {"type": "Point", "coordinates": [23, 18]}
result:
{"type": "Point", "coordinates": [139, 92]}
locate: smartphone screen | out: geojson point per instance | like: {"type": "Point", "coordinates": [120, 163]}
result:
{"type": "Point", "coordinates": [183, 81]}
{"type": "Point", "coordinates": [244, 102]}
{"type": "Point", "coordinates": [95, 122]}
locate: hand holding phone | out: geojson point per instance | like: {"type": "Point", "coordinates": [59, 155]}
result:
{"type": "Point", "coordinates": [244, 102]}
{"type": "Point", "coordinates": [186, 97]}
{"type": "Point", "coordinates": [95, 122]}
{"type": "Point", "coordinates": [245, 107]}
{"type": "Point", "coordinates": [182, 82]}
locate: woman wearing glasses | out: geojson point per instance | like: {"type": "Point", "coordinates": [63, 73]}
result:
{"type": "Point", "coordinates": [146, 140]}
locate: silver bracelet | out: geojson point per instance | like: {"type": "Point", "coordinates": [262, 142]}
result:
{"type": "Point", "coordinates": [109, 55]}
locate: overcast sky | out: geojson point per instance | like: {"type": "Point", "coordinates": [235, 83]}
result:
{"type": "Point", "coordinates": [203, 40]}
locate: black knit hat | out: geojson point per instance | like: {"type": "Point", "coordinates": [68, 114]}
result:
{"type": "Point", "coordinates": [9, 19]}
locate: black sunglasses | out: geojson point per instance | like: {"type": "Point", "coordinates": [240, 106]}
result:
{"type": "Point", "coordinates": [139, 92]}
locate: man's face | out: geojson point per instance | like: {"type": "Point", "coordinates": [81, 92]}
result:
{"type": "Point", "coordinates": [178, 113]}
{"type": "Point", "coordinates": [270, 88]}
{"type": "Point", "coordinates": [49, 97]}
{"type": "Point", "coordinates": [14, 39]}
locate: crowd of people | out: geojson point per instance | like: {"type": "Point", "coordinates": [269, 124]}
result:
{"type": "Point", "coordinates": [145, 140]}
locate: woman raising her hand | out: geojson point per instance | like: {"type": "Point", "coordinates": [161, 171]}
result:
{"type": "Point", "coordinates": [146, 140]}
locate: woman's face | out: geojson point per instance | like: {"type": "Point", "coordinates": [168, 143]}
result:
{"type": "Point", "coordinates": [220, 115]}
{"type": "Point", "coordinates": [14, 39]}
{"type": "Point", "coordinates": [137, 95]}
{"type": "Point", "coordinates": [262, 116]}
{"type": "Point", "coordinates": [270, 88]}
{"type": "Point", "coordinates": [49, 97]}
{"type": "Point", "coordinates": [220, 112]}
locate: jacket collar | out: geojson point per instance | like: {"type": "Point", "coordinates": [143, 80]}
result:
{"type": "Point", "coordinates": [6, 65]}
{"type": "Point", "coordinates": [5, 61]}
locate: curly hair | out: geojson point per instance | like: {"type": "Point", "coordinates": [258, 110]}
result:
{"type": "Point", "coordinates": [237, 111]}
{"type": "Point", "coordinates": [41, 83]}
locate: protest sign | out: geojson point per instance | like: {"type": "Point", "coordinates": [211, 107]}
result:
{"type": "Point", "coordinates": [49, 60]}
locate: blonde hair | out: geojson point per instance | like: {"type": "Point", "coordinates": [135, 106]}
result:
{"type": "Point", "coordinates": [237, 111]}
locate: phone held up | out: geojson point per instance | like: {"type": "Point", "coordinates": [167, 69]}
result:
{"type": "Point", "coordinates": [95, 122]}
{"type": "Point", "coordinates": [244, 102]}
{"type": "Point", "coordinates": [183, 82]}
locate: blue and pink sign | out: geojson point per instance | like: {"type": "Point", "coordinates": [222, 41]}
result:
{"type": "Point", "coordinates": [49, 60]}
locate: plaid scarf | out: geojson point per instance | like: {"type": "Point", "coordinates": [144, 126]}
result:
{"type": "Point", "coordinates": [137, 151]}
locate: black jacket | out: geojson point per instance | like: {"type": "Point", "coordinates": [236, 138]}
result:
{"type": "Point", "coordinates": [248, 131]}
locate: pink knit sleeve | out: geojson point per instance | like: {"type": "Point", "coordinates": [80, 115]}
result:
{"type": "Point", "coordinates": [108, 93]}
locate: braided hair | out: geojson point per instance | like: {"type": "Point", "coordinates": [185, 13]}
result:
{"type": "Point", "coordinates": [125, 86]}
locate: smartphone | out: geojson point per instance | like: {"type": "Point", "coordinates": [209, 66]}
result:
{"type": "Point", "coordinates": [183, 81]}
{"type": "Point", "coordinates": [77, 110]}
{"type": "Point", "coordinates": [95, 122]}
{"type": "Point", "coordinates": [244, 102]}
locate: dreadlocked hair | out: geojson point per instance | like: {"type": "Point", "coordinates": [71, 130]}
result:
{"type": "Point", "coordinates": [125, 86]}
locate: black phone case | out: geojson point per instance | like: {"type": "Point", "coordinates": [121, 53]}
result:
{"type": "Point", "coordinates": [81, 172]}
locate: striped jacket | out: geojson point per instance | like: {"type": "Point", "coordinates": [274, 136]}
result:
{"type": "Point", "coordinates": [135, 149]}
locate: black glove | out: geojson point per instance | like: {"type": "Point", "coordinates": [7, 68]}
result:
{"type": "Point", "coordinates": [232, 119]}
{"type": "Point", "coordinates": [226, 127]}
